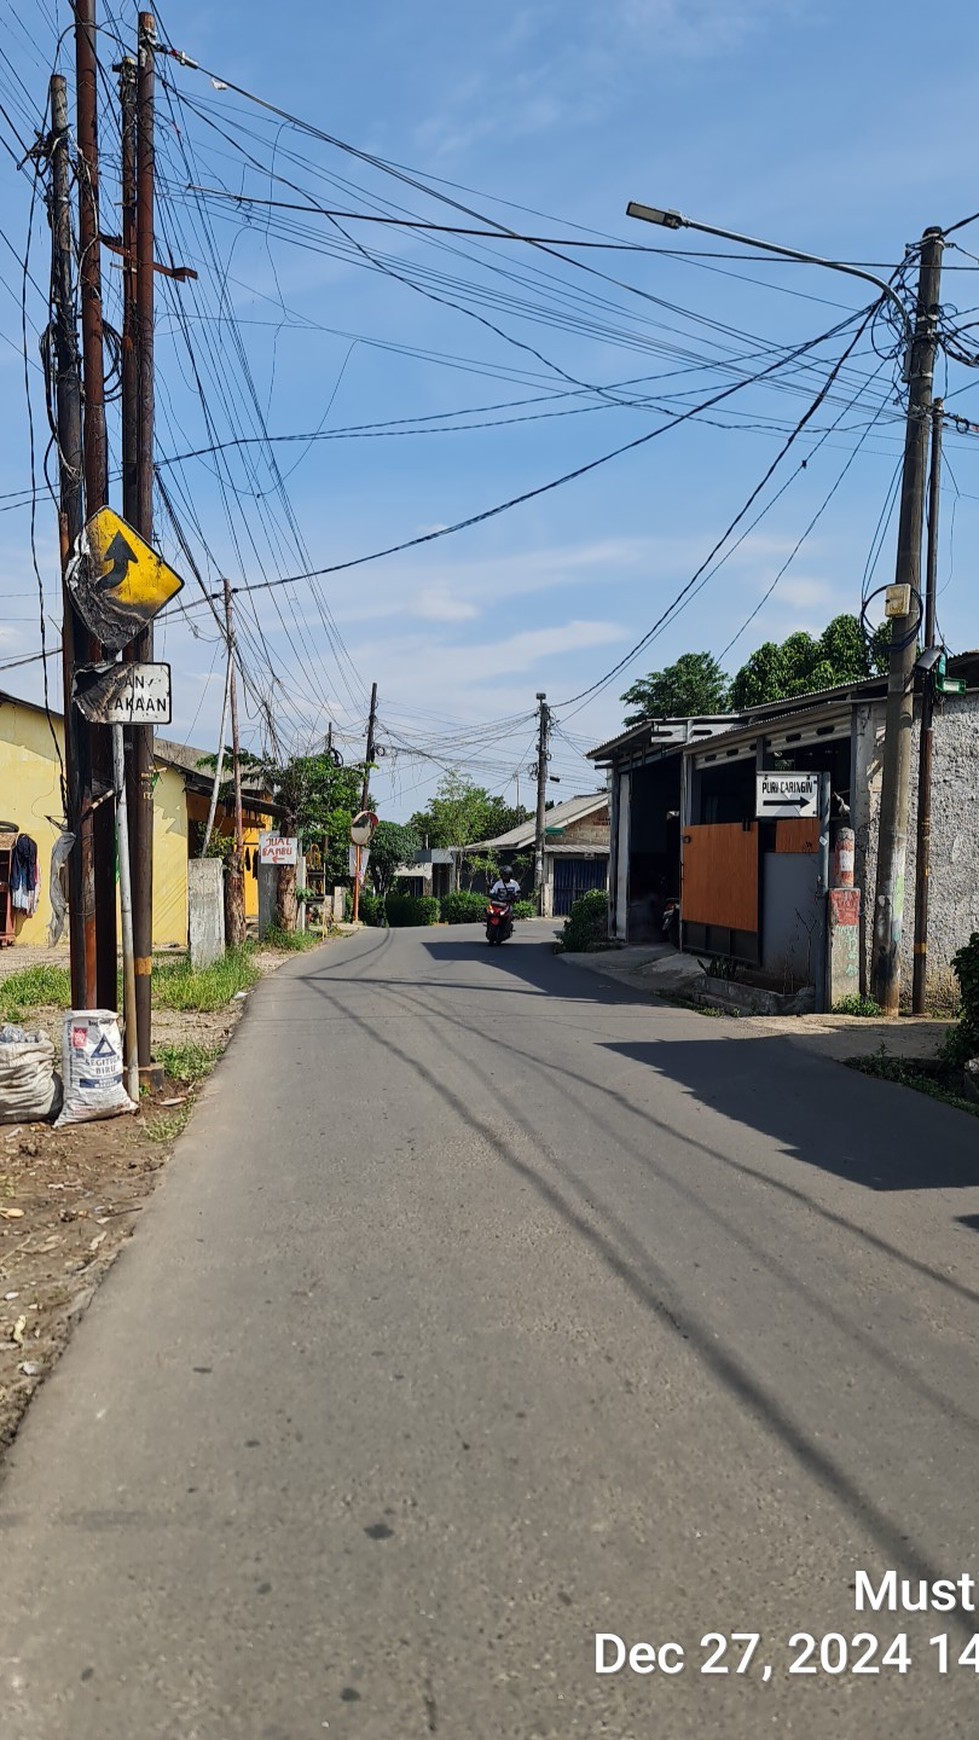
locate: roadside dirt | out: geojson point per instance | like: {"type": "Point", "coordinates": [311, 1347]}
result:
{"type": "Point", "coordinates": [70, 1198]}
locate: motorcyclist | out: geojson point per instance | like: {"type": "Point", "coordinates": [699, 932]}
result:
{"type": "Point", "coordinates": [505, 887]}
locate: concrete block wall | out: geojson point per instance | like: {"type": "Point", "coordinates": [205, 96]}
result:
{"type": "Point", "coordinates": [953, 903]}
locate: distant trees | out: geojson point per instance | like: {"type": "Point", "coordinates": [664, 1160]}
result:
{"type": "Point", "coordinates": [801, 665]}
{"type": "Point", "coordinates": [694, 685]}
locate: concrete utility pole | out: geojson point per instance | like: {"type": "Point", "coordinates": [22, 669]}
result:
{"type": "Point", "coordinates": [235, 885]}
{"type": "Point", "coordinates": [896, 778]}
{"type": "Point", "coordinates": [96, 472]}
{"type": "Point", "coordinates": [75, 638]}
{"type": "Point", "coordinates": [922, 859]}
{"type": "Point", "coordinates": [543, 733]}
{"type": "Point", "coordinates": [371, 723]}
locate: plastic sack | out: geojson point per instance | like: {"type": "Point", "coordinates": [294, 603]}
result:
{"type": "Point", "coordinates": [92, 1067]}
{"type": "Point", "coordinates": [29, 1087]}
{"type": "Point", "coordinates": [59, 906]}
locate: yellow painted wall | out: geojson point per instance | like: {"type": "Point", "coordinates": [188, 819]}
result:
{"type": "Point", "coordinates": [254, 823]}
{"type": "Point", "coordinates": [30, 794]}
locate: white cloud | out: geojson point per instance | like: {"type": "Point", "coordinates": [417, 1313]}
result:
{"type": "Point", "coordinates": [803, 593]}
{"type": "Point", "coordinates": [435, 604]}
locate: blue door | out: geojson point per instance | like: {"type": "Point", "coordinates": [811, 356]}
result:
{"type": "Point", "coordinates": [574, 877]}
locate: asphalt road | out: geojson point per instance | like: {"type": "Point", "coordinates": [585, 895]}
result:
{"type": "Point", "coordinates": [485, 1307]}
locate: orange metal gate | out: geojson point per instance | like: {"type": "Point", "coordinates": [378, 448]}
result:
{"type": "Point", "coordinates": [719, 902]}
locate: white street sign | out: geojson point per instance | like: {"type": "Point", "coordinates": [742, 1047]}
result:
{"type": "Point", "coordinates": [786, 796]}
{"type": "Point", "coordinates": [277, 849]}
{"type": "Point", "coordinates": [124, 694]}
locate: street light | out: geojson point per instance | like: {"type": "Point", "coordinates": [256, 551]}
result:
{"type": "Point", "coordinates": [675, 220]}
{"type": "Point", "coordinates": [921, 349]}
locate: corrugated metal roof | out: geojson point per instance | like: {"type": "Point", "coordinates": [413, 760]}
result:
{"type": "Point", "coordinates": [561, 816]}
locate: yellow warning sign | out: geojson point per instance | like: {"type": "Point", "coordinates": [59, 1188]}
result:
{"type": "Point", "coordinates": [118, 583]}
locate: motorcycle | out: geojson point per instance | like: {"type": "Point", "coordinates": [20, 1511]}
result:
{"type": "Point", "coordinates": [499, 921]}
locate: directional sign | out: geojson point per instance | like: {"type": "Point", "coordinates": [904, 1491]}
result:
{"type": "Point", "coordinates": [278, 849]}
{"type": "Point", "coordinates": [124, 694]}
{"type": "Point", "coordinates": [117, 582]}
{"type": "Point", "coordinates": [782, 796]}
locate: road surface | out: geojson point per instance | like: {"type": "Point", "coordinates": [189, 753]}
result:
{"type": "Point", "coordinates": [486, 1307]}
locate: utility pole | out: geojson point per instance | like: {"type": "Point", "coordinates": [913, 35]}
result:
{"type": "Point", "coordinates": [141, 650]}
{"type": "Point", "coordinates": [74, 638]}
{"type": "Point", "coordinates": [235, 885]}
{"type": "Point", "coordinates": [922, 860]}
{"type": "Point", "coordinates": [543, 732]}
{"type": "Point", "coordinates": [96, 471]}
{"type": "Point", "coordinates": [371, 722]}
{"type": "Point", "coordinates": [896, 777]}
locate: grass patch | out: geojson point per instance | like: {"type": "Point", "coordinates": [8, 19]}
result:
{"type": "Point", "coordinates": [290, 941]}
{"type": "Point", "coordinates": [166, 1129]}
{"type": "Point", "coordinates": [41, 987]}
{"type": "Point", "coordinates": [926, 1076]}
{"type": "Point", "coordinates": [855, 1005]}
{"type": "Point", "coordinates": [178, 985]}
{"type": "Point", "coordinates": [190, 1063]}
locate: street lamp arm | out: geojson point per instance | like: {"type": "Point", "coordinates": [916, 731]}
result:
{"type": "Point", "coordinates": [675, 220]}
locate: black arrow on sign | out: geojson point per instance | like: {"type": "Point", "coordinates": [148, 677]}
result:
{"type": "Point", "coordinates": [781, 802]}
{"type": "Point", "coordinates": [121, 557]}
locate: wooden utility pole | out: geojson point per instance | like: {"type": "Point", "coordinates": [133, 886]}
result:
{"type": "Point", "coordinates": [74, 638]}
{"type": "Point", "coordinates": [235, 883]}
{"type": "Point", "coordinates": [896, 777]}
{"type": "Point", "coordinates": [358, 850]}
{"type": "Point", "coordinates": [142, 766]}
{"type": "Point", "coordinates": [922, 860]}
{"type": "Point", "coordinates": [543, 733]}
{"type": "Point", "coordinates": [96, 472]}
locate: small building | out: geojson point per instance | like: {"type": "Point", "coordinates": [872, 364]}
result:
{"type": "Point", "coordinates": [31, 802]}
{"type": "Point", "coordinates": [431, 872]}
{"type": "Point", "coordinates": [576, 850]}
{"type": "Point", "coordinates": [751, 890]}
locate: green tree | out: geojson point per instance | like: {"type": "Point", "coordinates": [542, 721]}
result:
{"type": "Point", "coordinates": [800, 654]}
{"type": "Point", "coordinates": [760, 679]}
{"type": "Point", "coordinates": [695, 684]}
{"type": "Point", "coordinates": [461, 812]}
{"type": "Point", "coordinates": [317, 799]}
{"type": "Point", "coordinates": [391, 846]}
{"type": "Point", "coordinates": [843, 647]}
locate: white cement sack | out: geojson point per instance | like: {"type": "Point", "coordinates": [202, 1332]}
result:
{"type": "Point", "coordinates": [92, 1066]}
{"type": "Point", "coordinates": [29, 1088]}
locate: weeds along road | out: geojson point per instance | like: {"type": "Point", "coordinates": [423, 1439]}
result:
{"type": "Point", "coordinates": [487, 1307]}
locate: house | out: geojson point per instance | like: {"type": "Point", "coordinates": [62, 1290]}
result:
{"type": "Point", "coordinates": [432, 871]}
{"type": "Point", "coordinates": [31, 766]}
{"type": "Point", "coordinates": [752, 890]}
{"type": "Point", "coordinates": [576, 849]}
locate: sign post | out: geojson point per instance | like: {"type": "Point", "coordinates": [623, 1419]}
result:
{"type": "Point", "coordinates": [123, 694]}
{"type": "Point", "coordinates": [786, 796]}
{"type": "Point", "coordinates": [117, 582]}
{"type": "Point", "coordinates": [278, 849]}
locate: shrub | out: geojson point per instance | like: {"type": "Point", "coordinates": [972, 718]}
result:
{"type": "Point", "coordinates": [408, 909]}
{"type": "Point", "coordinates": [525, 909]}
{"type": "Point", "coordinates": [371, 909]}
{"type": "Point", "coordinates": [963, 1042]}
{"type": "Point", "coordinates": [586, 927]}
{"type": "Point", "coordinates": [854, 1005]}
{"type": "Point", "coordinates": [464, 907]}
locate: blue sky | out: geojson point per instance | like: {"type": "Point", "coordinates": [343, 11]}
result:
{"type": "Point", "coordinates": [780, 118]}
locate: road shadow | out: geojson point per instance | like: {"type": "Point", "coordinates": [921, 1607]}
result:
{"type": "Point", "coordinates": [532, 959]}
{"type": "Point", "coordinates": [876, 1134]}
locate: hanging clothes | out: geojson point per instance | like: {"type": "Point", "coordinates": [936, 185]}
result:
{"type": "Point", "coordinates": [24, 875]}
